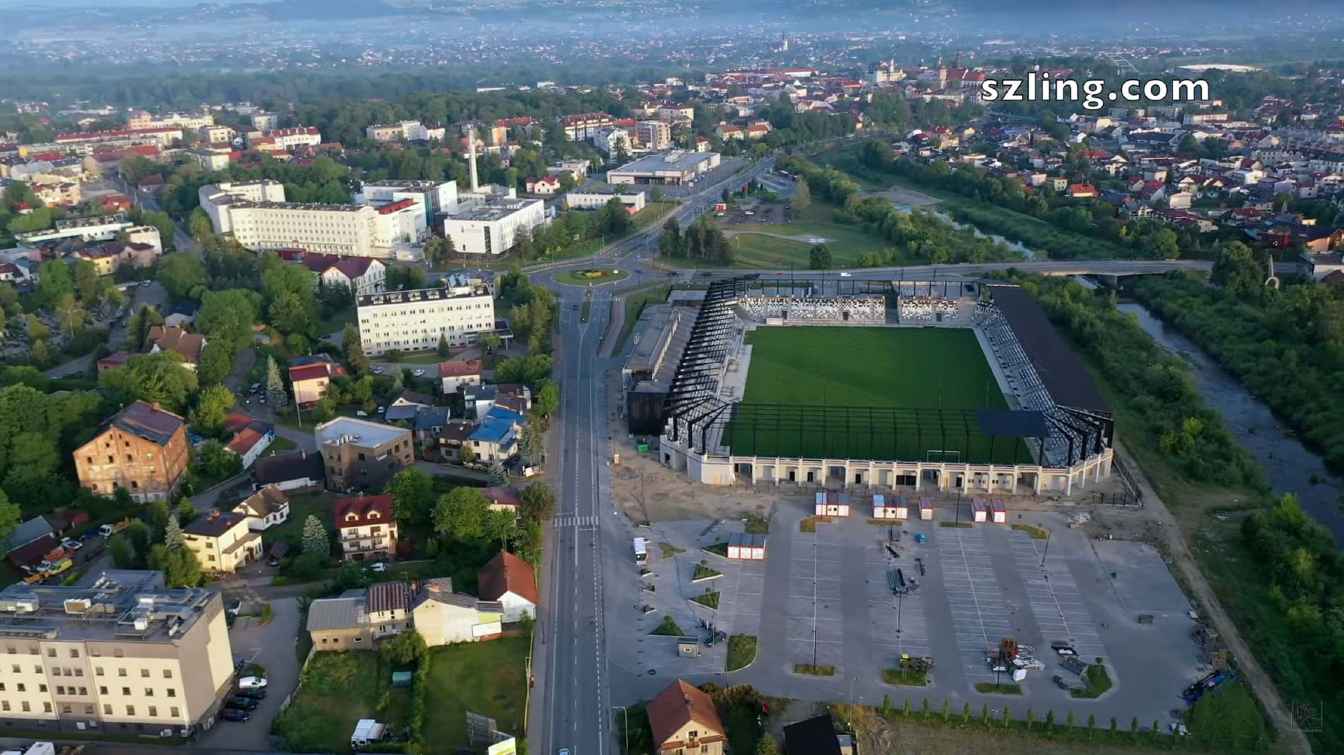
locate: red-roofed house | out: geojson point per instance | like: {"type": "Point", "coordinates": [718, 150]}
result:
{"type": "Point", "coordinates": [459, 372]}
{"type": "Point", "coordinates": [684, 720]}
{"type": "Point", "coordinates": [502, 499]}
{"type": "Point", "coordinates": [1082, 191]}
{"type": "Point", "coordinates": [310, 381]}
{"type": "Point", "coordinates": [186, 345]}
{"type": "Point", "coordinates": [509, 580]}
{"type": "Point", "coordinates": [543, 185]}
{"type": "Point", "coordinates": [366, 527]}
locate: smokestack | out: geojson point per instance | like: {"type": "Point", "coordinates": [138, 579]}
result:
{"type": "Point", "coordinates": [471, 156]}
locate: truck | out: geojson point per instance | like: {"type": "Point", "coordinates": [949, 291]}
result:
{"type": "Point", "coordinates": [108, 530]}
{"type": "Point", "coordinates": [641, 550]}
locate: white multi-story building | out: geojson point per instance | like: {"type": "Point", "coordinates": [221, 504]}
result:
{"type": "Point", "coordinates": [259, 218]}
{"type": "Point", "coordinates": [434, 197]}
{"type": "Point", "coordinates": [190, 121]}
{"type": "Point", "coordinates": [490, 225]}
{"type": "Point", "coordinates": [611, 141]}
{"type": "Point", "coordinates": [264, 122]}
{"type": "Point", "coordinates": [409, 131]}
{"type": "Point", "coordinates": [415, 320]}
{"type": "Point", "coordinates": [302, 136]}
{"type": "Point", "coordinates": [97, 228]}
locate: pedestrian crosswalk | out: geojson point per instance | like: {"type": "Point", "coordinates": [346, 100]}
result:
{"type": "Point", "coordinates": [569, 520]}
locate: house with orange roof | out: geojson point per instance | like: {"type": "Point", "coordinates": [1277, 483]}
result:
{"type": "Point", "coordinates": [684, 720]}
{"type": "Point", "coordinates": [510, 581]}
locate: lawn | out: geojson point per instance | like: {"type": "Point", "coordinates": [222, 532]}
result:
{"type": "Point", "coordinates": [1096, 680]}
{"type": "Point", "coordinates": [300, 506]}
{"type": "Point", "coordinates": [741, 651]}
{"type": "Point", "coordinates": [338, 690]}
{"type": "Point", "coordinates": [489, 678]}
{"type": "Point", "coordinates": [652, 211]}
{"type": "Point", "coordinates": [912, 392]}
{"type": "Point", "coordinates": [813, 224]}
{"type": "Point", "coordinates": [710, 599]}
{"type": "Point", "coordinates": [668, 627]}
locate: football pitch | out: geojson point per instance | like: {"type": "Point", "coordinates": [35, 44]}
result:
{"type": "Point", "coordinates": [869, 393]}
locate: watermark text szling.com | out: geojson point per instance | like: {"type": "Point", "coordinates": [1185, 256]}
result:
{"type": "Point", "coordinates": [1093, 94]}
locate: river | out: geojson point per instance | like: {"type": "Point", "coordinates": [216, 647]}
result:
{"type": "Point", "coordinates": [1289, 466]}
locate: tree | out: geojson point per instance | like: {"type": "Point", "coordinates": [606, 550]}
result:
{"type": "Point", "coordinates": [179, 565]}
{"type": "Point", "coordinates": [212, 409]}
{"type": "Point", "coordinates": [123, 553]}
{"type": "Point", "coordinates": [315, 539]}
{"type": "Point", "coordinates": [69, 314]}
{"type": "Point", "coordinates": [538, 501]}
{"type": "Point", "coordinates": [152, 377]}
{"type": "Point", "coordinates": [412, 495]}
{"type": "Point", "coordinates": [229, 316]}
{"type": "Point", "coordinates": [183, 275]}
{"type": "Point", "coordinates": [1237, 269]}
{"type": "Point", "coordinates": [216, 363]}
{"type": "Point", "coordinates": [10, 517]}
{"type": "Point", "coordinates": [767, 745]}
{"type": "Point", "coordinates": [461, 514]}
{"type": "Point", "coordinates": [548, 399]}
{"type": "Point", "coordinates": [443, 349]}
{"type": "Point", "coordinates": [275, 387]}
{"type": "Point", "coordinates": [138, 328]}
{"type": "Point", "coordinates": [354, 350]}
{"type": "Point", "coordinates": [490, 342]}
{"type": "Point", "coordinates": [54, 281]}
{"type": "Point", "coordinates": [214, 462]}
{"type": "Point", "coordinates": [403, 649]}
{"type": "Point", "coordinates": [802, 196]}
{"type": "Point", "coordinates": [172, 533]}
{"type": "Point", "coordinates": [819, 257]}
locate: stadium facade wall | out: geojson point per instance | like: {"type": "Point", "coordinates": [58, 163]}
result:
{"type": "Point", "coordinates": [717, 469]}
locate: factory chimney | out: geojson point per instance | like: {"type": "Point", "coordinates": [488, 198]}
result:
{"type": "Point", "coordinates": [471, 156]}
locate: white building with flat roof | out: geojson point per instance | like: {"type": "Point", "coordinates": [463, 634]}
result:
{"type": "Point", "coordinates": [95, 228]}
{"type": "Point", "coordinates": [437, 197]}
{"type": "Point", "coordinates": [258, 216]}
{"type": "Point", "coordinates": [677, 168]}
{"type": "Point", "coordinates": [415, 320]}
{"type": "Point", "coordinates": [490, 226]}
{"type": "Point", "coordinates": [596, 197]}
{"type": "Point", "coordinates": [408, 131]}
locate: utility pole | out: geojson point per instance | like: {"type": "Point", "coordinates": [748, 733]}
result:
{"type": "Point", "coordinates": [1046, 551]}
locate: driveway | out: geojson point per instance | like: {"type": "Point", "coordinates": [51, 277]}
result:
{"type": "Point", "coordinates": [273, 646]}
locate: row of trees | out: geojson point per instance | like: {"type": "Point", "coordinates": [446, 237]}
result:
{"type": "Point", "coordinates": [1065, 219]}
{"type": "Point", "coordinates": [914, 235]}
{"type": "Point", "coordinates": [1286, 346]}
{"type": "Point", "coordinates": [702, 241]}
{"type": "Point", "coordinates": [1155, 385]}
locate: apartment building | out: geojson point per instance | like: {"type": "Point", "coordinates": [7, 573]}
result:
{"type": "Point", "coordinates": [140, 119]}
{"type": "Point", "coordinates": [653, 135]}
{"type": "Point", "coordinates": [362, 455]}
{"type": "Point", "coordinates": [86, 229]}
{"type": "Point", "coordinates": [437, 197]}
{"type": "Point", "coordinates": [142, 449]}
{"type": "Point", "coordinates": [222, 541]}
{"type": "Point", "coordinates": [491, 226]}
{"type": "Point", "coordinates": [416, 320]}
{"type": "Point", "coordinates": [258, 216]}
{"type": "Point", "coordinates": [123, 655]}
{"type": "Point", "coordinates": [299, 136]}
{"type": "Point", "coordinates": [582, 126]}
{"type": "Point", "coordinates": [407, 131]}
{"type": "Point", "coordinates": [366, 527]}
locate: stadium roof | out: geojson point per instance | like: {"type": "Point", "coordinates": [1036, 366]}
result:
{"type": "Point", "coordinates": [1060, 368]}
{"type": "Point", "coordinates": [1012, 424]}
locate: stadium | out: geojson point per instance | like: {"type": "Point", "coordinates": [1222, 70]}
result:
{"type": "Point", "coordinates": [819, 380]}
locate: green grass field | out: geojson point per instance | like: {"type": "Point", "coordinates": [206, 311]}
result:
{"type": "Point", "coordinates": [489, 678]}
{"type": "Point", "coordinates": [869, 393]}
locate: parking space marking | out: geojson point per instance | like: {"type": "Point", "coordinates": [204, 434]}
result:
{"type": "Point", "coordinates": [974, 597]}
{"type": "Point", "coordinates": [898, 624]}
{"type": "Point", "coordinates": [1054, 598]}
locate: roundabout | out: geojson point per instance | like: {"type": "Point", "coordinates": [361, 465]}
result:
{"type": "Point", "coordinates": [591, 276]}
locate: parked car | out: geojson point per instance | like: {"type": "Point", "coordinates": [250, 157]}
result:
{"type": "Point", "coordinates": [251, 682]}
{"type": "Point", "coordinates": [418, 372]}
{"type": "Point", "coordinates": [241, 703]}
{"type": "Point", "coordinates": [71, 544]}
{"type": "Point", "coordinates": [233, 714]}
{"type": "Point", "coordinates": [235, 607]}
{"type": "Point", "coordinates": [254, 694]}
{"type": "Point", "coordinates": [1063, 648]}
{"type": "Point", "coordinates": [378, 567]}
{"type": "Point", "coordinates": [378, 369]}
